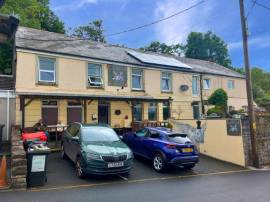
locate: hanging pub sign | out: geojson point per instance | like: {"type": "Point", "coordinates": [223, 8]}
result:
{"type": "Point", "coordinates": [117, 75]}
{"type": "Point", "coordinates": [233, 127]}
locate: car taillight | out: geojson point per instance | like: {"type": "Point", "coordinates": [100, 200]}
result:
{"type": "Point", "coordinates": [171, 146]}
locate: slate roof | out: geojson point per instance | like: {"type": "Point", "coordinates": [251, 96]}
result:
{"type": "Point", "coordinates": [72, 46]}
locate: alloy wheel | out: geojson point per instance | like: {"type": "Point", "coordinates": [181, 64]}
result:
{"type": "Point", "coordinates": [79, 170]}
{"type": "Point", "coordinates": [158, 163]}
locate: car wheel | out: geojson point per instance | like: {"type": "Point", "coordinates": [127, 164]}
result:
{"type": "Point", "coordinates": [79, 170]}
{"type": "Point", "coordinates": [189, 167]}
{"type": "Point", "coordinates": [159, 163]}
{"type": "Point", "coordinates": [63, 154]}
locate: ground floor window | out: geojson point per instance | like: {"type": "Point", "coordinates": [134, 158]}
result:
{"type": "Point", "coordinates": [74, 111]}
{"type": "Point", "coordinates": [49, 112]}
{"type": "Point", "coordinates": [166, 110]}
{"type": "Point", "coordinates": [152, 111]}
{"type": "Point", "coordinates": [137, 112]}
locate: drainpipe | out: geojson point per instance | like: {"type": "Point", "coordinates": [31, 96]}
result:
{"type": "Point", "coordinates": [8, 111]}
{"type": "Point", "coordinates": [201, 94]}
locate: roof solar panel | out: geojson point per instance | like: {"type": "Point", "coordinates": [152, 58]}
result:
{"type": "Point", "coordinates": [157, 59]}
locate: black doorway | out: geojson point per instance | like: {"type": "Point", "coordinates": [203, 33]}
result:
{"type": "Point", "coordinates": [103, 113]}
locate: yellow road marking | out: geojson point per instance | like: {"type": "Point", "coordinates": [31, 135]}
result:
{"type": "Point", "coordinates": [127, 182]}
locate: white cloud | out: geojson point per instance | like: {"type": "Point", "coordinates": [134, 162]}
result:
{"type": "Point", "coordinates": [175, 30]}
{"type": "Point", "coordinates": [258, 42]}
{"type": "Point", "coordinates": [74, 5]}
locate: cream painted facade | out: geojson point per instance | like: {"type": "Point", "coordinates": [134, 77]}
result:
{"type": "Point", "coordinates": [71, 79]}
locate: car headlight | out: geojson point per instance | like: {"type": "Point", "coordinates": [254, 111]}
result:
{"type": "Point", "coordinates": [130, 155]}
{"type": "Point", "coordinates": [93, 156]}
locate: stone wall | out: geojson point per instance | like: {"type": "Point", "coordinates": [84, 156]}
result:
{"type": "Point", "coordinates": [262, 140]}
{"type": "Point", "coordinates": [246, 141]}
{"type": "Point", "coordinates": [18, 160]}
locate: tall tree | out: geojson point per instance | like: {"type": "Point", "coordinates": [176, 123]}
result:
{"type": "Point", "coordinates": [158, 47]}
{"type": "Point", "coordinates": [35, 14]}
{"type": "Point", "coordinates": [207, 46]}
{"type": "Point", "coordinates": [93, 31]}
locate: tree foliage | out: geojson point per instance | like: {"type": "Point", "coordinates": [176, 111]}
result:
{"type": "Point", "coordinates": [93, 31]}
{"type": "Point", "coordinates": [163, 48]}
{"type": "Point", "coordinates": [207, 46]}
{"type": "Point", "coordinates": [218, 98]}
{"type": "Point", "coordinates": [261, 86]}
{"type": "Point", "coordinates": [35, 14]}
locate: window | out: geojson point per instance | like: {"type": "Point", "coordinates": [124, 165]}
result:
{"type": "Point", "coordinates": [230, 84]}
{"type": "Point", "coordinates": [166, 110]}
{"type": "Point", "coordinates": [142, 132]}
{"type": "Point", "coordinates": [137, 78]}
{"type": "Point", "coordinates": [206, 84]}
{"type": "Point", "coordinates": [95, 75]}
{"type": "Point", "coordinates": [152, 111]}
{"type": "Point", "coordinates": [46, 70]}
{"type": "Point", "coordinates": [166, 81]}
{"type": "Point", "coordinates": [49, 112]}
{"type": "Point", "coordinates": [137, 112]}
{"type": "Point", "coordinates": [73, 130]}
{"type": "Point", "coordinates": [195, 85]}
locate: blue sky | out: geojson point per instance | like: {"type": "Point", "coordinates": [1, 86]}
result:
{"type": "Point", "coordinates": [219, 16]}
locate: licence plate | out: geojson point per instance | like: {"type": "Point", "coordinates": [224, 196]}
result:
{"type": "Point", "coordinates": [115, 164]}
{"type": "Point", "coordinates": [187, 150]}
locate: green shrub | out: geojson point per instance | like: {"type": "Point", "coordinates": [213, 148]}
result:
{"type": "Point", "coordinates": [217, 110]}
{"type": "Point", "coordinates": [218, 98]}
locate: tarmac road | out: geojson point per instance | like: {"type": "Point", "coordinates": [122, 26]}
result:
{"type": "Point", "coordinates": [234, 186]}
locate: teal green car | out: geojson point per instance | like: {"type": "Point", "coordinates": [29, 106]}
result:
{"type": "Point", "coordinates": [96, 150]}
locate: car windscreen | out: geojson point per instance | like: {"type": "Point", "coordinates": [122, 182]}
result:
{"type": "Point", "coordinates": [99, 134]}
{"type": "Point", "coordinates": [177, 137]}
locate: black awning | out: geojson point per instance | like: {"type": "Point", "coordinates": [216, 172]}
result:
{"type": "Point", "coordinates": [93, 97]}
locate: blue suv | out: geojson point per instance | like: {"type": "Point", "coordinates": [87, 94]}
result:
{"type": "Point", "coordinates": [163, 147]}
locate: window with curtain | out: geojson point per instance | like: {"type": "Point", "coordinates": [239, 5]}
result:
{"type": "Point", "coordinates": [137, 79]}
{"type": "Point", "coordinates": [166, 81]}
{"type": "Point", "coordinates": [152, 111]}
{"type": "Point", "coordinates": [137, 112]}
{"type": "Point", "coordinates": [166, 110]}
{"type": "Point", "coordinates": [46, 70]}
{"type": "Point", "coordinates": [95, 75]}
{"type": "Point", "coordinates": [206, 84]}
{"type": "Point", "coordinates": [195, 85]}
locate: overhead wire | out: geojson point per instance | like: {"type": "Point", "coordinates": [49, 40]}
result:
{"type": "Point", "coordinates": [125, 31]}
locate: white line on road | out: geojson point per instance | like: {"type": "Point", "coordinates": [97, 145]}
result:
{"type": "Point", "coordinates": [124, 178]}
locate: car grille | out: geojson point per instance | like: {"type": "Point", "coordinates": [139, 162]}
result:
{"type": "Point", "coordinates": [114, 158]}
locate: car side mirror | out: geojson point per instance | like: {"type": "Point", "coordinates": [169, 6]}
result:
{"type": "Point", "coordinates": [75, 139]}
{"type": "Point", "coordinates": [121, 137]}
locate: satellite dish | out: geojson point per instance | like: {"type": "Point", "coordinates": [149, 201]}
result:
{"type": "Point", "coordinates": [184, 87]}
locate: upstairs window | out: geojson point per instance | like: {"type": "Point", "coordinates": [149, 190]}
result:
{"type": "Point", "coordinates": [46, 70]}
{"type": "Point", "coordinates": [95, 75]}
{"type": "Point", "coordinates": [230, 84]}
{"type": "Point", "coordinates": [195, 85]}
{"type": "Point", "coordinates": [206, 84]}
{"type": "Point", "coordinates": [137, 79]}
{"type": "Point", "coordinates": [166, 82]}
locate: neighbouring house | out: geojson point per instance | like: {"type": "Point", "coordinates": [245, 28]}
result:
{"type": "Point", "coordinates": [64, 79]}
{"type": "Point", "coordinates": [8, 27]}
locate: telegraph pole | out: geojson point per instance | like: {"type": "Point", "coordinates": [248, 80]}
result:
{"type": "Point", "coordinates": [251, 113]}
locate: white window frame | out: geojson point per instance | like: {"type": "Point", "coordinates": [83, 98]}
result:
{"type": "Point", "coordinates": [167, 78]}
{"type": "Point", "coordinates": [50, 71]}
{"type": "Point", "coordinates": [89, 77]}
{"type": "Point", "coordinates": [197, 87]}
{"type": "Point", "coordinates": [209, 84]}
{"type": "Point", "coordinates": [233, 84]}
{"type": "Point", "coordinates": [137, 75]}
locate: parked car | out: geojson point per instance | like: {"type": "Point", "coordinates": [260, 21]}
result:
{"type": "Point", "coordinates": [96, 150]}
{"type": "Point", "coordinates": [163, 147]}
